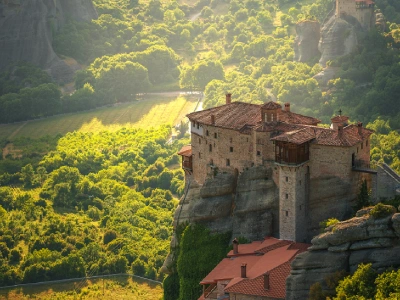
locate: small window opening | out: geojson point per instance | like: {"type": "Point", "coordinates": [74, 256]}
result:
{"type": "Point", "coordinates": [366, 143]}
{"type": "Point", "coordinates": [231, 149]}
{"type": "Point", "coordinates": [258, 153]}
{"type": "Point", "coordinates": [207, 133]}
{"type": "Point", "coordinates": [210, 148]}
{"type": "Point", "coordinates": [215, 135]}
{"type": "Point", "coordinates": [287, 179]}
{"type": "Point", "coordinates": [199, 141]}
{"type": "Point", "coordinates": [228, 162]}
{"type": "Point", "coordinates": [287, 213]}
{"type": "Point", "coordinates": [287, 196]}
{"type": "Point", "coordinates": [362, 146]}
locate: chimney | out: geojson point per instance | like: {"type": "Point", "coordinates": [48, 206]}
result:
{"type": "Point", "coordinates": [228, 98]}
{"type": "Point", "coordinates": [359, 127]}
{"type": "Point", "coordinates": [266, 281]}
{"type": "Point", "coordinates": [287, 106]}
{"type": "Point", "coordinates": [213, 119]}
{"type": "Point", "coordinates": [243, 270]}
{"type": "Point", "coordinates": [235, 244]}
{"type": "Point", "coordinates": [340, 130]}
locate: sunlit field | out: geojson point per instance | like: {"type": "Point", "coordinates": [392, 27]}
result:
{"type": "Point", "coordinates": [116, 288]}
{"type": "Point", "coordinates": [141, 114]}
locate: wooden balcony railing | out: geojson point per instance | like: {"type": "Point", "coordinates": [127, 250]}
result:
{"type": "Point", "coordinates": [187, 165]}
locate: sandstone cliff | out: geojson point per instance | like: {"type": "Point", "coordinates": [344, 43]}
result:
{"type": "Point", "coordinates": [338, 37]}
{"type": "Point", "coordinates": [366, 238]}
{"type": "Point", "coordinates": [247, 206]}
{"type": "Point", "coordinates": [26, 28]}
{"type": "Point", "coordinates": [306, 42]}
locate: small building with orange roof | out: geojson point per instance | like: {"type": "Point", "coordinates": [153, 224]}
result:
{"type": "Point", "coordinates": [255, 271]}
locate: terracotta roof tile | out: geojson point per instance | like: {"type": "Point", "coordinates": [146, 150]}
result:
{"type": "Point", "coordinates": [232, 116]}
{"type": "Point", "coordinates": [243, 116]}
{"type": "Point", "coordinates": [298, 136]}
{"type": "Point", "coordinates": [275, 260]}
{"type": "Point", "coordinates": [271, 105]}
{"type": "Point", "coordinates": [293, 118]}
{"type": "Point", "coordinates": [339, 119]}
{"type": "Point", "coordinates": [186, 150]}
{"type": "Point", "coordinates": [349, 137]}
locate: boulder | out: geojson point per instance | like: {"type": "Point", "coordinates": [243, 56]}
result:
{"type": "Point", "coordinates": [342, 247]}
{"type": "Point", "coordinates": [222, 184]}
{"type": "Point", "coordinates": [396, 223]}
{"type": "Point", "coordinates": [311, 267]}
{"type": "Point", "coordinates": [306, 42]}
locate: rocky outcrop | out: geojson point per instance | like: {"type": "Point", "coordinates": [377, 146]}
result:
{"type": "Point", "coordinates": [26, 29]}
{"type": "Point", "coordinates": [325, 75]}
{"type": "Point", "coordinates": [247, 206]}
{"type": "Point", "coordinates": [370, 237]}
{"type": "Point", "coordinates": [338, 37]}
{"type": "Point", "coordinates": [306, 42]}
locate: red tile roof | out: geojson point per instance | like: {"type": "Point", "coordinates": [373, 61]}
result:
{"type": "Point", "coordinates": [340, 119]}
{"type": "Point", "coordinates": [291, 127]}
{"type": "Point", "coordinates": [298, 136]}
{"type": "Point", "coordinates": [271, 105]}
{"type": "Point", "coordinates": [293, 118]}
{"type": "Point", "coordinates": [243, 116]}
{"type": "Point", "coordinates": [349, 137]}
{"type": "Point", "coordinates": [186, 151]}
{"type": "Point", "coordinates": [325, 136]}
{"type": "Point", "coordinates": [275, 260]}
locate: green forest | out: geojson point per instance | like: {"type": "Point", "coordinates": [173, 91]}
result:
{"type": "Point", "coordinates": [101, 203]}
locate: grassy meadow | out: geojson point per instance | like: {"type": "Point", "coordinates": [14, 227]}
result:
{"type": "Point", "coordinates": [114, 288]}
{"type": "Point", "coordinates": [152, 111]}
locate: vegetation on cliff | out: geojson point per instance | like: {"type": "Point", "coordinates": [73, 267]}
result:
{"type": "Point", "coordinates": [199, 251]}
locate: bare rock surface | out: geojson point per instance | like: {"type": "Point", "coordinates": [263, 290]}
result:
{"type": "Point", "coordinates": [26, 32]}
{"type": "Point", "coordinates": [345, 245]}
{"type": "Point", "coordinates": [306, 42]}
{"type": "Point", "coordinates": [338, 37]}
{"type": "Point", "coordinates": [247, 206]}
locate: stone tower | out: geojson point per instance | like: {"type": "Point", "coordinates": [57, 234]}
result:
{"type": "Point", "coordinates": [293, 199]}
{"type": "Point", "coordinates": [362, 10]}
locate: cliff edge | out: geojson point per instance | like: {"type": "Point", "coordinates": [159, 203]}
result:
{"type": "Point", "coordinates": [373, 236]}
{"type": "Point", "coordinates": [27, 27]}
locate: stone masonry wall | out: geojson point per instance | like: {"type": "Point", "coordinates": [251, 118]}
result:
{"type": "Point", "coordinates": [333, 184]}
{"type": "Point", "coordinates": [219, 146]}
{"type": "Point", "coordinates": [292, 202]}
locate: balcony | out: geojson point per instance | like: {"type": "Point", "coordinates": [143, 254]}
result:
{"type": "Point", "coordinates": [291, 154]}
{"type": "Point", "coordinates": [187, 165]}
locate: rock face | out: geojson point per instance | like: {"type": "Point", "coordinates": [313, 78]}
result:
{"type": "Point", "coordinates": [26, 28]}
{"type": "Point", "coordinates": [362, 239]}
{"type": "Point", "coordinates": [247, 206]}
{"type": "Point", "coordinates": [325, 75]}
{"type": "Point", "coordinates": [338, 37]}
{"type": "Point", "coordinates": [306, 42]}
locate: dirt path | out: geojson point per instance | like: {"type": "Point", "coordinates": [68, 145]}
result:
{"type": "Point", "coordinates": [194, 17]}
{"type": "Point", "coordinates": [17, 130]}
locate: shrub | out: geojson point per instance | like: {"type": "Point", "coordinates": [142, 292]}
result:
{"type": "Point", "coordinates": [327, 223]}
{"type": "Point", "coordinates": [109, 236]}
{"type": "Point", "coordinates": [380, 211]}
